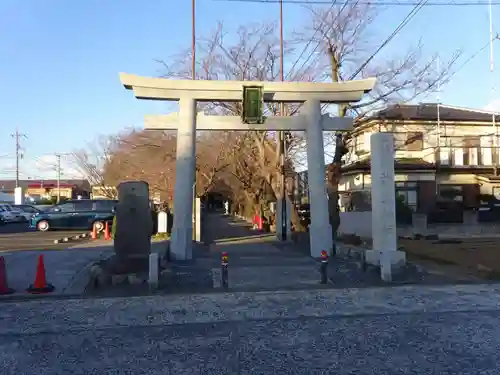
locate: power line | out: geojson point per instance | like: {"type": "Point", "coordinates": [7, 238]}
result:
{"type": "Point", "coordinates": [328, 30]}
{"type": "Point", "coordinates": [374, 3]}
{"type": "Point", "coordinates": [58, 157]}
{"type": "Point", "coordinates": [402, 24]}
{"type": "Point", "coordinates": [312, 38]}
{"type": "Point", "coordinates": [467, 61]}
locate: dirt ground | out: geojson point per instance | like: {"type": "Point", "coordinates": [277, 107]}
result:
{"type": "Point", "coordinates": [474, 256]}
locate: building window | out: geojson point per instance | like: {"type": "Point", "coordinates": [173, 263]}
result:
{"type": "Point", "coordinates": [464, 151]}
{"type": "Point", "coordinates": [409, 197]}
{"type": "Point", "coordinates": [487, 153]}
{"type": "Point", "coordinates": [451, 193]}
{"type": "Point", "coordinates": [362, 143]}
{"type": "Point", "coordinates": [414, 141]}
{"type": "Point", "coordinates": [471, 150]}
{"type": "Point", "coordinates": [444, 155]}
{"type": "Point", "coordinates": [409, 141]}
{"type": "Point", "coordinates": [458, 157]}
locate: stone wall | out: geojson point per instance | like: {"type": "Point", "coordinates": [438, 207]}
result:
{"type": "Point", "coordinates": [360, 223]}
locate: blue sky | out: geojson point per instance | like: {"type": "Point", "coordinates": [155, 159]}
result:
{"type": "Point", "coordinates": [60, 61]}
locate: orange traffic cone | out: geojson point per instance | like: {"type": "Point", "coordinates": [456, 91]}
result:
{"type": "Point", "coordinates": [107, 235]}
{"type": "Point", "coordinates": [40, 286]}
{"type": "Point", "coordinates": [93, 234]}
{"type": "Point", "coordinates": [4, 287]}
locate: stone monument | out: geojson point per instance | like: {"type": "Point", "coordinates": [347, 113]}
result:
{"type": "Point", "coordinates": [134, 226]}
{"type": "Point", "coordinates": [385, 251]}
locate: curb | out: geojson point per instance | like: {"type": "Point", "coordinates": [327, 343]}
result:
{"type": "Point", "coordinates": [80, 281]}
{"type": "Point", "coordinates": [92, 271]}
{"type": "Point", "coordinates": [72, 238]}
{"type": "Point", "coordinates": [431, 237]}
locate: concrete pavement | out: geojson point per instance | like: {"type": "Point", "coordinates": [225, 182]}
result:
{"type": "Point", "coordinates": [411, 330]}
{"type": "Point", "coordinates": [255, 263]}
{"type": "Point", "coordinates": [62, 266]}
{"type": "Point", "coordinates": [371, 330]}
{"type": "Point", "coordinates": [258, 261]}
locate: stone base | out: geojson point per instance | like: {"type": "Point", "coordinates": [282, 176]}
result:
{"type": "Point", "coordinates": [128, 265]}
{"type": "Point", "coordinates": [388, 261]}
{"type": "Point", "coordinates": [396, 258]}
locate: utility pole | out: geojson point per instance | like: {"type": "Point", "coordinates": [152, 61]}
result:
{"type": "Point", "coordinates": [193, 77]}
{"type": "Point", "coordinates": [193, 39]}
{"type": "Point", "coordinates": [17, 136]}
{"type": "Point", "coordinates": [58, 170]}
{"type": "Point", "coordinates": [438, 130]}
{"type": "Point", "coordinates": [492, 71]}
{"type": "Point", "coordinates": [282, 140]}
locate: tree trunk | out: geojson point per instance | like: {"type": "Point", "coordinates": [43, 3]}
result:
{"type": "Point", "coordinates": [295, 218]}
{"type": "Point", "coordinates": [333, 177]}
{"type": "Point", "coordinates": [334, 168]}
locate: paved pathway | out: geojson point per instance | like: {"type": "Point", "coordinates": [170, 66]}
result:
{"type": "Point", "coordinates": [62, 266]}
{"type": "Point", "coordinates": [410, 330]}
{"type": "Point", "coordinates": [260, 262]}
{"type": "Point", "coordinates": [255, 263]}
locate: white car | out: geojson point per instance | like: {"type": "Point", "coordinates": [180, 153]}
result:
{"type": "Point", "coordinates": [11, 215]}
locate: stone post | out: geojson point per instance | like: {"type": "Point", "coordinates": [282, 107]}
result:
{"type": "Point", "coordinates": [153, 271]}
{"type": "Point", "coordinates": [197, 223]}
{"type": "Point", "coordinates": [419, 224]}
{"type": "Point", "coordinates": [470, 218]}
{"type": "Point", "coordinates": [18, 195]}
{"type": "Point", "coordinates": [162, 222]}
{"type": "Point", "coordinates": [384, 253]}
{"type": "Point", "coordinates": [181, 243]}
{"type": "Point", "coordinates": [320, 232]}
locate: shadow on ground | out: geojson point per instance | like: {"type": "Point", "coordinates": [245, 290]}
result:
{"type": "Point", "coordinates": [259, 262]}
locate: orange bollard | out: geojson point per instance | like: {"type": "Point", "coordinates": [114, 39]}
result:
{"type": "Point", "coordinates": [40, 286]}
{"type": "Point", "coordinates": [4, 286]}
{"type": "Point", "coordinates": [324, 266]}
{"type": "Point", "coordinates": [107, 235]}
{"type": "Point", "coordinates": [93, 234]}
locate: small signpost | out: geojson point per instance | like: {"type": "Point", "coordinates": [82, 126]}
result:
{"type": "Point", "coordinates": [253, 103]}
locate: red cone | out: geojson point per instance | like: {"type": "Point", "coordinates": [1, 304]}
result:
{"type": "Point", "coordinates": [40, 286]}
{"type": "Point", "coordinates": [93, 234]}
{"type": "Point", "coordinates": [4, 287]}
{"type": "Point", "coordinates": [107, 235]}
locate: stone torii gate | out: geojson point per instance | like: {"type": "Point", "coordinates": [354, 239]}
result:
{"type": "Point", "coordinates": [187, 122]}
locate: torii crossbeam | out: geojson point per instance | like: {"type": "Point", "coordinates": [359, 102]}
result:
{"type": "Point", "coordinates": [187, 122]}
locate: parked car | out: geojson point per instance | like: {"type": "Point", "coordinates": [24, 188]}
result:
{"type": "Point", "coordinates": [76, 214]}
{"type": "Point", "coordinates": [27, 210]}
{"type": "Point", "coordinates": [11, 215]}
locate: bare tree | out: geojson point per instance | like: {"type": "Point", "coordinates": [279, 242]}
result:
{"type": "Point", "coordinates": [91, 162]}
{"type": "Point", "coordinates": [347, 41]}
{"type": "Point", "coordinates": [145, 155]}
{"type": "Point", "coordinates": [252, 55]}
{"type": "Point", "coordinates": [213, 153]}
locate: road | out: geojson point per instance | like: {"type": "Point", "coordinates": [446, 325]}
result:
{"type": "Point", "coordinates": [17, 237]}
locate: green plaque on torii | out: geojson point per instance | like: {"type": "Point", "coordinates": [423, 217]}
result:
{"type": "Point", "coordinates": [253, 104]}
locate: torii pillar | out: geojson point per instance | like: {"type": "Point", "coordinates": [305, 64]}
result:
{"type": "Point", "coordinates": [187, 122]}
